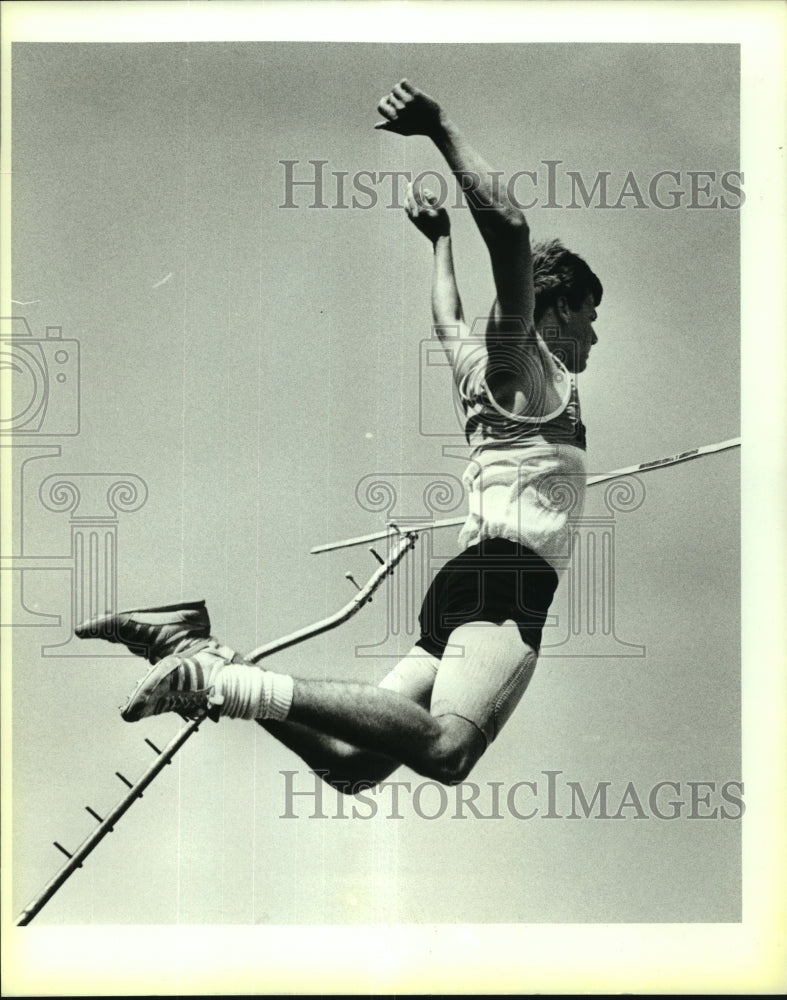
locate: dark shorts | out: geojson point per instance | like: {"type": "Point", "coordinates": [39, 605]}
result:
{"type": "Point", "coordinates": [492, 581]}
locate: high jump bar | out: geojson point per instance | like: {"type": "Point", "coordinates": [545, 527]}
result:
{"type": "Point", "coordinates": [630, 470]}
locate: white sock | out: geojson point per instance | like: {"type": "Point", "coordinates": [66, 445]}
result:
{"type": "Point", "coordinates": [251, 693]}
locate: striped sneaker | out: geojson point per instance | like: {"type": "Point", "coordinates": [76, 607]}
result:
{"type": "Point", "coordinates": [183, 684]}
{"type": "Point", "coordinates": [154, 633]}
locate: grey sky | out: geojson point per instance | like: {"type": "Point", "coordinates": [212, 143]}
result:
{"type": "Point", "coordinates": [278, 366]}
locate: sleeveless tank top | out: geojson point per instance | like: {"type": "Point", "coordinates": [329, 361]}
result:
{"type": "Point", "coordinates": [527, 472]}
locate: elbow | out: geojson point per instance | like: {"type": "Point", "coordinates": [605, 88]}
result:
{"type": "Point", "coordinates": [509, 229]}
{"type": "Point", "coordinates": [516, 224]}
{"type": "Point", "coordinates": [515, 219]}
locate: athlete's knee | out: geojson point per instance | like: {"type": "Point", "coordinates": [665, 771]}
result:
{"type": "Point", "coordinates": [456, 749]}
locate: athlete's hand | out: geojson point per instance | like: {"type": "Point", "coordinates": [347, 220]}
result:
{"type": "Point", "coordinates": [408, 111]}
{"type": "Point", "coordinates": [424, 213]}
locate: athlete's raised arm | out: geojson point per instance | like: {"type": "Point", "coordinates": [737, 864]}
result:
{"type": "Point", "coordinates": [408, 111]}
{"type": "Point", "coordinates": [432, 220]}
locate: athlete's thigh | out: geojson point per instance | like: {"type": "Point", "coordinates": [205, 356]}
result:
{"type": "Point", "coordinates": [413, 676]}
{"type": "Point", "coordinates": [483, 673]}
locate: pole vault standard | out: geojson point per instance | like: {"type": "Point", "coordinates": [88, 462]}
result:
{"type": "Point", "coordinates": [401, 546]}
{"type": "Point", "coordinates": [631, 470]}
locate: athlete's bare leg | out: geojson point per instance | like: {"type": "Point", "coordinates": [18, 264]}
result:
{"type": "Point", "coordinates": [479, 682]}
{"type": "Point", "coordinates": [342, 764]}
{"type": "Point", "coordinates": [444, 748]}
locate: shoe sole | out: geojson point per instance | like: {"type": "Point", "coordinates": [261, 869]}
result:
{"type": "Point", "coordinates": [103, 625]}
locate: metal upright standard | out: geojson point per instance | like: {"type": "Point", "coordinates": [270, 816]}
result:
{"type": "Point", "coordinates": [401, 545]}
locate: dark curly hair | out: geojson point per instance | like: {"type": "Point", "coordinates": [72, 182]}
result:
{"type": "Point", "coordinates": [557, 272]}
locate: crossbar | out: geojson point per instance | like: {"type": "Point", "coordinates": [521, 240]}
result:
{"type": "Point", "coordinates": [454, 522]}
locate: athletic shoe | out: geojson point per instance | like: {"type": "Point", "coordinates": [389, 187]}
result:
{"type": "Point", "coordinates": [154, 633]}
{"type": "Point", "coordinates": [180, 684]}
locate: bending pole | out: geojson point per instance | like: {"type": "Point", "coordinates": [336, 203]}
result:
{"type": "Point", "coordinates": [364, 595]}
{"type": "Point", "coordinates": [455, 522]}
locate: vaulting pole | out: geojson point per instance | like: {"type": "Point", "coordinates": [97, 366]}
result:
{"type": "Point", "coordinates": [106, 825]}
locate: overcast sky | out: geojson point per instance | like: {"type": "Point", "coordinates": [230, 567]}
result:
{"type": "Point", "coordinates": [253, 364]}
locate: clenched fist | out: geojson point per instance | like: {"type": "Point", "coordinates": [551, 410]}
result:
{"type": "Point", "coordinates": [425, 214]}
{"type": "Point", "coordinates": [408, 111]}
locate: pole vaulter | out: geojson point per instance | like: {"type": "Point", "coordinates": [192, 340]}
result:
{"type": "Point", "coordinates": [442, 705]}
{"type": "Point", "coordinates": [404, 544]}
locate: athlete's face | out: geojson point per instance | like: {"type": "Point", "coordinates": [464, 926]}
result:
{"type": "Point", "coordinates": [577, 328]}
